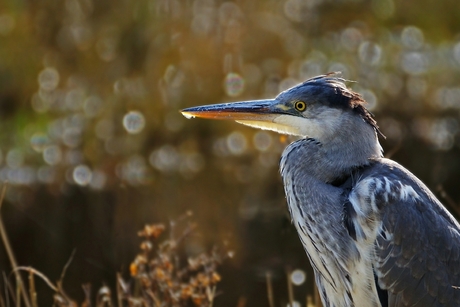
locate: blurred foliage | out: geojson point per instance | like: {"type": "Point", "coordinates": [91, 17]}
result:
{"type": "Point", "coordinates": [93, 145]}
{"type": "Point", "coordinates": [159, 277]}
{"type": "Point", "coordinates": [164, 280]}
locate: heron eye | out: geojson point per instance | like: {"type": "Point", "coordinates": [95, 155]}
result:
{"type": "Point", "coordinates": [300, 106]}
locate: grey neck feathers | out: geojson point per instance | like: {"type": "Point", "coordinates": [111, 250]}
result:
{"type": "Point", "coordinates": [353, 144]}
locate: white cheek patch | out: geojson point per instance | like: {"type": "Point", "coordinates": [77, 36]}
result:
{"type": "Point", "coordinates": [303, 126]}
{"type": "Point", "coordinates": [324, 124]}
{"type": "Point", "coordinates": [277, 127]}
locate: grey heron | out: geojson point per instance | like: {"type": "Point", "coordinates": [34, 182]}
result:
{"type": "Point", "coordinates": [375, 235]}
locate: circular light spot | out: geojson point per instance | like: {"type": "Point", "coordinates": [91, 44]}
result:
{"type": "Point", "coordinates": [412, 37]}
{"type": "Point", "coordinates": [236, 143]}
{"type": "Point", "coordinates": [370, 53]}
{"type": "Point", "coordinates": [82, 175]}
{"type": "Point", "coordinates": [351, 38]}
{"type": "Point", "coordinates": [298, 277]}
{"type": "Point", "coordinates": [165, 159]}
{"type": "Point", "coordinates": [262, 140]}
{"type": "Point", "coordinates": [370, 98]}
{"type": "Point", "coordinates": [310, 68]}
{"type": "Point", "coordinates": [202, 24]}
{"type": "Point", "coordinates": [442, 132]}
{"type": "Point", "coordinates": [414, 63]}
{"type": "Point", "coordinates": [23, 175]}
{"type": "Point", "coordinates": [38, 104]}
{"type": "Point", "coordinates": [134, 122]}
{"type": "Point", "coordinates": [134, 170]}
{"type": "Point", "coordinates": [52, 155]}
{"type": "Point", "coordinates": [38, 141]}
{"type": "Point", "coordinates": [339, 67]}
{"type": "Point", "coordinates": [220, 148]}
{"type": "Point", "coordinates": [287, 83]}
{"type": "Point", "coordinates": [446, 98]}
{"type": "Point", "coordinates": [234, 84]}
{"type": "Point", "coordinates": [193, 163]}
{"type": "Point", "coordinates": [48, 79]}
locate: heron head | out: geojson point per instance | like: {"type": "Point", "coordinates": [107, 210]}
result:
{"type": "Point", "coordinates": [317, 108]}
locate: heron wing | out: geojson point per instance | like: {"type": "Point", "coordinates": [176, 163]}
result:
{"type": "Point", "coordinates": [417, 246]}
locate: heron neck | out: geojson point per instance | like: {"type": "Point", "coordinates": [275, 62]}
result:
{"type": "Point", "coordinates": [346, 151]}
{"type": "Point", "coordinates": [335, 158]}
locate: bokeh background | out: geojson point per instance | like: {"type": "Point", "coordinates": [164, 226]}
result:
{"type": "Point", "coordinates": [93, 146]}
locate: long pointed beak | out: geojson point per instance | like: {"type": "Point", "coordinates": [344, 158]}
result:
{"type": "Point", "coordinates": [259, 110]}
{"type": "Point", "coordinates": [268, 114]}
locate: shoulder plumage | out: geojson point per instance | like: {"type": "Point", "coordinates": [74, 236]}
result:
{"type": "Point", "coordinates": [417, 241]}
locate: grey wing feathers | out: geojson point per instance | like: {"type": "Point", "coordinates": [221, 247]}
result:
{"type": "Point", "coordinates": [417, 250]}
{"type": "Point", "coordinates": [414, 260]}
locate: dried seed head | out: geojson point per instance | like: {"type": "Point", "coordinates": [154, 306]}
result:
{"type": "Point", "coordinates": [198, 299]}
{"type": "Point", "coordinates": [215, 277]}
{"type": "Point", "coordinates": [152, 231]}
{"type": "Point", "coordinates": [146, 246]}
{"type": "Point", "coordinates": [186, 292]}
{"type": "Point", "coordinates": [133, 269]}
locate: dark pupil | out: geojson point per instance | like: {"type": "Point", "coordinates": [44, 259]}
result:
{"type": "Point", "coordinates": [300, 106]}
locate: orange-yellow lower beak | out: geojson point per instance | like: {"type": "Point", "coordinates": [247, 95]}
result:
{"type": "Point", "coordinates": [260, 110]}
